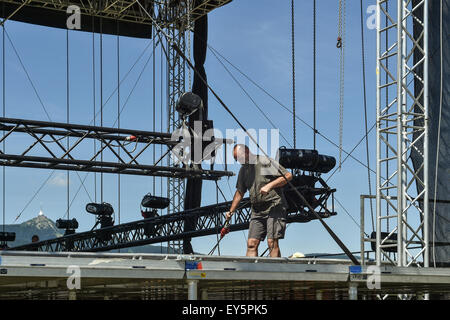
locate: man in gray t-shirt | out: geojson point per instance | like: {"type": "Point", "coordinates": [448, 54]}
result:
{"type": "Point", "coordinates": [261, 177]}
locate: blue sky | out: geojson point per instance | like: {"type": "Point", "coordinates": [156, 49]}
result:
{"type": "Point", "coordinates": [255, 38]}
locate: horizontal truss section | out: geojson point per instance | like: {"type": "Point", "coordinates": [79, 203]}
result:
{"type": "Point", "coordinates": [208, 221]}
{"type": "Point", "coordinates": [52, 154]}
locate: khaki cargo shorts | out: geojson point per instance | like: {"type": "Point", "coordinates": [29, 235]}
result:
{"type": "Point", "coordinates": [271, 224]}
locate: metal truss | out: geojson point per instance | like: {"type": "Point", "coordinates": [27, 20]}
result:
{"type": "Point", "coordinates": [402, 104]}
{"type": "Point", "coordinates": [123, 10]}
{"type": "Point", "coordinates": [170, 227]}
{"type": "Point", "coordinates": [46, 151]}
{"type": "Point", "coordinates": [176, 73]}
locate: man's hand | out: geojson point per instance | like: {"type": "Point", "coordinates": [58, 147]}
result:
{"type": "Point", "coordinates": [265, 190]}
{"type": "Point", "coordinates": [229, 215]}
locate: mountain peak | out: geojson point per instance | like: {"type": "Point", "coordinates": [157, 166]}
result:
{"type": "Point", "coordinates": [41, 222]}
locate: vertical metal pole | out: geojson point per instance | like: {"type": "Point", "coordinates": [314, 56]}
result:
{"type": "Point", "coordinates": [192, 289]}
{"type": "Point", "coordinates": [378, 194]}
{"type": "Point", "coordinates": [425, 148]}
{"type": "Point", "coordinates": [353, 291]}
{"type": "Point", "coordinates": [362, 229]}
{"type": "Point", "coordinates": [404, 136]}
{"type": "Point", "coordinates": [400, 176]}
{"type": "Point", "coordinates": [72, 295]}
{"type": "Point", "coordinates": [319, 295]}
{"type": "Point", "coordinates": [204, 294]}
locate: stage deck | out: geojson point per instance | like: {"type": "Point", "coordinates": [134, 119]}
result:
{"type": "Point", "coordinates": [38, 275]}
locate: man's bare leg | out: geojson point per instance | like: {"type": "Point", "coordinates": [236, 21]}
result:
{"type": "Point", "coordinates": [252, 247]}
{"type": "Point", "coordinates": [274, 248]}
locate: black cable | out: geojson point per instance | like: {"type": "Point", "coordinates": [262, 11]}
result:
{"type": "Point", "coordinates": [154, 104]}
{"type": "Point", "coordinates": [27, 74]}
{"type": "Point", "coordinates": [4, 115]}
{"type": "Point", "coordinates": [101, 103]}
{"type": "Point", "coordinates": [293, 71]}
{"type": "Point", "coordinates": [94, 100]}
{"type": "Point", "coordinates": [314, 74]}
{"type": "Point", "coordinates": [353, 150]}
{"type": "Point", "coordinates": [134, 87]}
{"type": "Point", "coordinates": [35, 194]}
{"type": "Point", "coordinates": [68, 116]}
{"type": "Point", "coordinates": [118, 116]}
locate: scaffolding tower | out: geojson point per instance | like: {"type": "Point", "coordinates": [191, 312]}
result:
{"type": "Point", "coordinates": [402, 128]}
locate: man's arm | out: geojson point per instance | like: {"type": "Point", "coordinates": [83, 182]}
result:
{"type": "Point", "coordinates": [277, 183]}
{"type": "Point", "coordinates": [236, 200]}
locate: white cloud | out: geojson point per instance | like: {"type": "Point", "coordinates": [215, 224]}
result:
{"type": "Point", "coordinates": [60, 180]}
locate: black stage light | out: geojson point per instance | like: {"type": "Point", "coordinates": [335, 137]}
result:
{"type": "Point", "coordinates": [67, 224]}
{"type": "Point", "coordinates": [307, 160]}
{"type": "Point", "coordinates": [154, 202]}
{"type": "Point", "coordinates": [188, 103]}
{"type": "Point", "coordinates": [100, 209]}
{"type": "Point", "coordinates": [7, 236]}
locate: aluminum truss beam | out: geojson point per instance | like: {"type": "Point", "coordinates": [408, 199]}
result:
{"type": "Point", "coordinates": [46, 151]}
{"type": "Point", "coordinates": [176, 74]}
{"type": "Point", "coordinates": [170, 227]}
{"type": "Point", "coordinates": [125, 11]}
{"type": "Point", "coordinates": [121, 10]}
{"type": "Point", "coordinates": [401, 105]}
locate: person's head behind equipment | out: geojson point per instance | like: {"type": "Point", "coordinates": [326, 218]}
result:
{"type": "Point", "coordinates": [35, 238]}
{"type": "Point", "coordinates": [241, 153]}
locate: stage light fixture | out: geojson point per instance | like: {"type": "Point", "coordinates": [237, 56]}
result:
{"type": "Point", "coordinates": [307, 160]}
{"type": "Point", "coordinates": [188, 104]}
{"type": "Point", "coordinates": [154, 202]}
{"type": "Point", "coordinates": [100, 209]}
{"type": "Point", "coordinates": [69, 225]}
{"type": "Point", "coordinates": [7, 236]}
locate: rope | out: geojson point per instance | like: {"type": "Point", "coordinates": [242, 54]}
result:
{"type": "Point", "coordinates": [4, 115]}
{"type": "Point", "coordinates": [101, 103]}
{"type": "Point", "coordinates": [5, 33]}
{"type": "Point", "coordinates": [341, 32]}
{"type": "Point", "coordinates": [293, 71]}
{"type": "Point", "coordinates": [118, 116]}
{"type": "Point", "coordinates": [363, 54]}
{"type": "Point", "coordinates": [34, 196]}
{"type": "Point", "coordinates": [314, 73]}
{"type": "Point", "coordinates": [94, 100]}
{"type": "Point", "coordinates": [68, 116]}
{"type": "Point", "coordinates": [353, 150]}
{"type": "Point", "coordinates": [134, 87]}
{"type": "Point", "coordinates": [27, 74]}
{"type": "Point", "coordinates": [154, 104]}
